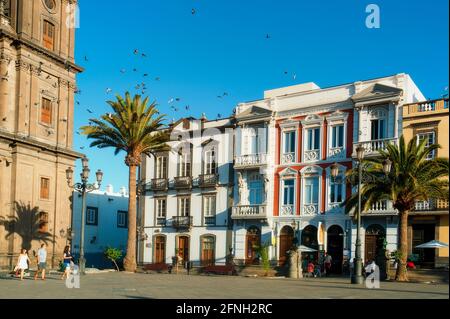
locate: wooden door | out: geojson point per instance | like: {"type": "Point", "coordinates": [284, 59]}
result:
{"type": "Point", "coordinates": [370, 247]}
{"type": "Point", "coordinates": [160, 250]}
{"type": "Point", "coordinates": [253, 241]}
{"type": "Point", "coordinates": [207, 256]}
{"type": "Point", "coordinates": [286, 242]}
{"type": "Point", "coordinates": [183, 248]}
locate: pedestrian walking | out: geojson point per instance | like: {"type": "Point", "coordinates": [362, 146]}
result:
{"type": "Point", "coordinates": [42, 262]}
{"type": "Point", "coordinates": [22, 263]}
{"type": "Point", "coordinates": [68, 259]}
{"type": "Point", "coordinates": [327, 264]}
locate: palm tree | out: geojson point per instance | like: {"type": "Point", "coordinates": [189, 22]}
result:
{"type": "Point", "coordinates": [413, 177]}
{"type": "Point", "coordinates": [134, 127]}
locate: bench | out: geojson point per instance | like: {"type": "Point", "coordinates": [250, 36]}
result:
{"type": "Point", "coordinates": [157, 267]}
{"type": "Point", "coordinates": [220, 270]}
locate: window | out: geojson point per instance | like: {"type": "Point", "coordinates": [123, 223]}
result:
{"type": "Point", "coordinates": [46, 111]}
{"type": "Point", "coordinates": [92, 216]}
{"type": "Point", "coordinates": [45, 188]}
{"type": "Point", "coordinates": [313, 139]}
{"type": "Point", "coordinates": [161, 167]}
{"type": "Point", "coordinates": [43, 222]}
{"type": "Point", "coordinates": [255, 189]}
{"type": "Point", "coordinates": [288, 192]}
{"type": "Point", "coordinates": [337, 136]}
{"type": "Point", "coordinates": [210, 162]}
{"type": "Point", "coordinates": [184, 164]}
{"type": "Point", "coordinates": [430, 138]}
{"type": "Point", "coordinates": [378, 129]}
{"type": "Point", "coordinates": [122, 219]}
{"type": "Point", "coordinates": [311, 191]}
{"type": "Point", "coordinates": [48, 35]}
{"type": "Point", "coordinates": [161, 211]}
{"type": "Point", "coordinates": [289, 142]}
{"type": "Point", "coordinates": [184, 206]}
{"type": "Point", "coordinates": [336, 188]}
{"type": "Point", "coordinates": [161, 205]}
{"type": "Point", "coordinates": [209, 209]}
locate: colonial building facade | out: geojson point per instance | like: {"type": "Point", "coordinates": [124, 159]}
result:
{"type": "Point", "coordinates": [428, 120]}
{"type": "Point", "coordinates": [185, 212]}
{"type": "Point", "coordinates": [37, 87]}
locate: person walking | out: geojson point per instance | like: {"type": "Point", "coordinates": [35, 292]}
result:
{"type": "Point", "coordinates": [68, 258]}
{"type": "Point", "coordinates": [42, 262]}
{"type": "Point", "coordinates": [22, 263]}
{"type": "Point", "coordinates": [327, 264]}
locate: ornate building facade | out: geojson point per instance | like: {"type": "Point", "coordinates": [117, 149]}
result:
{"type": "Point", "coordinates": [37, 89]}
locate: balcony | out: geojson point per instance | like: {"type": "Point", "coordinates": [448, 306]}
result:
{"type": "Point", "coordinates": [312, 156]}
{"type": "Point", "coordinates": [381, 208]}
{"type": "Point", "coordinates": [210, 220]}
{"type": "Point", "coordinates": [288, 158]}
{"type": "Point", "coordinates": [249, 161]}
{"type": "Point", "coordinates": [372, 147]}
{"type": "Point", "coordinates": [424, 108]}
{"type": "Point", "coordinates": [182, 222]}
{"type": "Point", "coordinates": [336, 153]}
{"type": "Point", "coordinates": [159, 184]}
{"type": "Point", "coordinates": [161, 221]}
{"type": "Point", "coordinates": [432, 205]}
{"type": "Point", "coordinates": [287, 210]}
{"type": "Point", "coordinates": [249, 212]}
{"type": "Point", "coordinates": [310, 209]}
{"type": "Point", "coordinates": [183, 182]}
{"type": "Point", "coordinates": [208, 180]}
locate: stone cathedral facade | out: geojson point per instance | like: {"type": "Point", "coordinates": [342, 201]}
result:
{"type": "Point", "coordinates": [37, 89]}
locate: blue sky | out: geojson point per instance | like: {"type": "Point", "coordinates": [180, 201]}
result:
{"type": "Point", "coordinates": [223, 48]}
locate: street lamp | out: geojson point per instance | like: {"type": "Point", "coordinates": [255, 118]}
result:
{"type": "Point", "coordinates": [84, 187]}
{"type": "Point", "coordinates": [387, 165]}
{"type": "Point", "coordinates": [357, 277]}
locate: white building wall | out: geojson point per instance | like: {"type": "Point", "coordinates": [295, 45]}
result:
{"type": "Point", "coordinates": [106, 233]}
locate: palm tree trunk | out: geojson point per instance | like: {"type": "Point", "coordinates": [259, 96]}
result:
{"type": "Point", "coordinates": [129, 263]}
{"type": "Point", "coordinates": [401, 274]}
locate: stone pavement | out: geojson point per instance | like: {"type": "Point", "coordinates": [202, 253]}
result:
{"type": "Point", "coordinates": [164, 286]}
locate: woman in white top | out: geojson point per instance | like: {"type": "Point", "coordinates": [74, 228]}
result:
{"type": "Point", "coordinates": [22, 263]}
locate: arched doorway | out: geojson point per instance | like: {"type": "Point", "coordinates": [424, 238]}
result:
{"type": "Point", "coordinates": [286, 242]}
{"type": "Point", "coordinates": [208, 245]}
{"type": "Point", "coordinates": [374, 242]}
{"type": "Point", "coordinates": [309, 239]}
{"type": "Point", "coordinates": [183, 248]}
{"type": "Point", "coordinates": [335, 247]}
{"type": "Point", "coordinates": [253, 241]}
{"type": "Point", "coordinates": [160, 250]}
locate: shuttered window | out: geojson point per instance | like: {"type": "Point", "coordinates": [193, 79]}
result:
{"type": "Point", "coordinates": [48, 35]}
{"type": "Point", "coordinates": [46, 111]}
{"type": "Point", "coordinates": [45, 188]}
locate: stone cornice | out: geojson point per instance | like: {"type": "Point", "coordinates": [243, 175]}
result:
{"type": "Point", "coordinates": [31, 143]}
{"type": "Point", "coordinates": [18, 41]}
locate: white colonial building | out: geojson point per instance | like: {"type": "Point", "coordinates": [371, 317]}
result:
{"type": "Point", "coordinates": [106, 224]}
{"type": "Point", "coordinates": [187, 204]}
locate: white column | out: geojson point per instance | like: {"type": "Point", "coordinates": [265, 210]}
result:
{"type": "Point", "coordinates": [395, 120]}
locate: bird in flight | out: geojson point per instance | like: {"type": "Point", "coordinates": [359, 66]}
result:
{"type": "Point", "coordinates": [86, 58]}
{"type": "Point", "coordinates": [294, 76]}
{"type": "Point", "coordinates": [145, 74]}
{"type": "Point", "coordinates": [170, 101]}
{"type": "Point", "coordinates": [187, 107]}
{"type": "Point", "coordinates": [219, 116]}
{"type": "Point", "coordinates": [108, 90]}
{"type": "Point", "coordinates": [123, 71]}
{"type": "Point", "coordinates": [89, 111]}
{"type": "Point", "coordinates": [225, 94]}
{"type": "Point", "coordinates": [78, 103]}
{"type": "Point", "coordinates": [267, 36]}
{"type": "Point", "coordinates": [193, 11]}
{"type": "Point", "coordinates": [134, 70]}
{"type": "Point", "coordinates": [157, 78]}
{"type": "Point", "coordinates": [136, 51]}
{"type": "Point", "coordinates": [144, 55]}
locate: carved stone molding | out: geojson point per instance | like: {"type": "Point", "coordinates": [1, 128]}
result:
{"type": "Point", "coordinates": [22, 65]}
{"type": "Point", "coordinates": [5, 58]}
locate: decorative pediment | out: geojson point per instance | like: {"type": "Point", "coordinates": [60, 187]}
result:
{"type": "Point", "coordinates": [311, 170]}
{"type": "Point", "coordinates": [376, 92]}
{"type": "Point", "coordinates": [210, 143]}
{"type": "Point", "coordinates": [254, 111]}
{"type": "Point", "coordinates": [337, 116]}
{"type": "Point", "coordinates": [288, 172]}
{"type": "Point", "coordinates": [289, 124]}
{"type": "Point", "coordinates": [312, 119]}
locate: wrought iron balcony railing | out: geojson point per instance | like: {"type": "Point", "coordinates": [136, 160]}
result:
{"type": "Point", "coordinates": [159, 184]}
{"type": "Point", "coordinates": [208, 180]}
{"type": "Point", "coordinates": [182, 222]}
{"type": "Point", "coordinates": [183, 182]}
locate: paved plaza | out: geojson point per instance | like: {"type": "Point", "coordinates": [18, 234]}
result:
{"type": "Point", "coordinates": [164, 286]}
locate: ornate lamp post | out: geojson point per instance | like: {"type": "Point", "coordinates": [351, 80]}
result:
{"type": "Point", "coordinates": [84, 187]}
